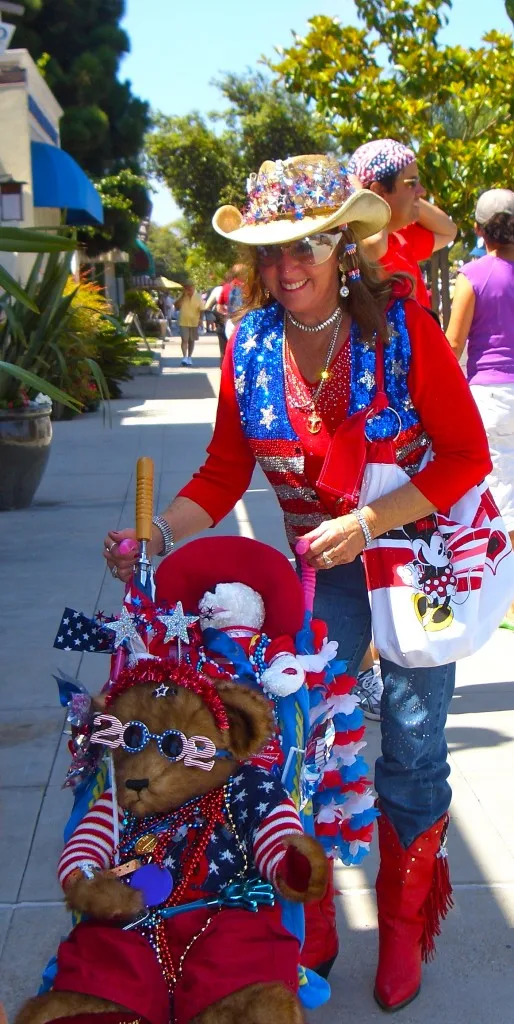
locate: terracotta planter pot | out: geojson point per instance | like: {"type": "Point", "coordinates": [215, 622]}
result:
{"type": "Point", "coordinates": [25, 437]}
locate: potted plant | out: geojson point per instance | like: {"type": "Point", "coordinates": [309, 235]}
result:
{"type": "Point", "coordinates": [32, 321]}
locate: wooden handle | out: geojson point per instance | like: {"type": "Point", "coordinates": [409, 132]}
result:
{"type": "Point", "coordinates": [144, 498]}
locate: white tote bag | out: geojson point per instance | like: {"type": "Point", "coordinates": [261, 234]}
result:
{"type": "Point", "coordinates": [440, 587]}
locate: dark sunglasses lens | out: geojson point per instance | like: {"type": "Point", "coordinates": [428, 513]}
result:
{"type": "Point", "coordinates": [135, 736]}
{"type": "Point", "coordinates": [172, 744]}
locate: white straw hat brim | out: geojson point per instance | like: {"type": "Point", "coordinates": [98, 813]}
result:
{"type": "Point", "coordinates": [365, 212]}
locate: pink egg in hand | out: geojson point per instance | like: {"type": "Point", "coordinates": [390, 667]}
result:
{"type": "Point", "coordinates": [128, 547]}
{"type": "Point", "coordinates": [302, 546]}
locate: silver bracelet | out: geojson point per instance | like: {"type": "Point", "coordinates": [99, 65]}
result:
{"type": "Point", "coordinates": [167, 535]}
{"type": "Point", "coordinates": [361, 519]}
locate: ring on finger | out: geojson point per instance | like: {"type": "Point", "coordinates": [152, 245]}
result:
{"type": "Point", "coordinates": [114, 572]}
{"type": "Point", "coordinates": [109, 547]}
{"type": "Point", "coordinates": [326, 559]}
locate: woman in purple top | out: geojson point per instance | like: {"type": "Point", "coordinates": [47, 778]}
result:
{"type": "Point", "coordinates": [483, 314]}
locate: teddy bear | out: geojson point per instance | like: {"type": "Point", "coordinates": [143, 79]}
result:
{"type": "Point", "coordinates": [177, 866]}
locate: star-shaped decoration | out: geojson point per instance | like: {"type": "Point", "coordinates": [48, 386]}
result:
{"type": "Point", "coordinates": [161, 690]}
{"type": "Point", "coordinates": [267, 417]}
{"type": "Point", "coordinates": [177, 624]}
{"type": "Point", "coordinates": [392, 332]}
{"type": "Point", "coordinates": [250, 343]}
{"type": "Point", "coordinates": [261, 808]}
{"type": "Point", "coordinates": [240, 383]}
{"type": "Point", "coordinates": [407, 404]}
{"type": "Point", "coordinates": [268, 344]}
{"type": "Point", "coordinates": [397, 368]}
{"type": "Point", "coordinates": [123, 628]}
{"type": "Point", "coordinates": [368, 378]}
{"type": "Point", "coordinates": [263, 379]}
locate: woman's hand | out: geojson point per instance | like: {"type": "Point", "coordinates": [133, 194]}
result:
{"type": "Point", "coordinates": [121, 563]}
{"type": "Point", "coordinates": [334, 542]}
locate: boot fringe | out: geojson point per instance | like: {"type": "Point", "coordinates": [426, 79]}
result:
{"type": "Point", "coordinates": [437, 904]}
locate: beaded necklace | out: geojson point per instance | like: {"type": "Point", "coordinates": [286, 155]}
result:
{"type": "Point", "coordinates": [156, 832]}
{"type": "Point", "coordinates": [308, 400]}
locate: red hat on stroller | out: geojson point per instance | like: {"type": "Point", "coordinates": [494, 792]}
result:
{"type": "Point", "coordinates": [190, 571]}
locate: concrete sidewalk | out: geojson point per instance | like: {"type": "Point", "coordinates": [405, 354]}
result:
{"type": "Point", "coordinates": [51, 557]}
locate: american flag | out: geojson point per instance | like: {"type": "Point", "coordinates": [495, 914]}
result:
{"type": "Point", "coordinates": [79, 633]}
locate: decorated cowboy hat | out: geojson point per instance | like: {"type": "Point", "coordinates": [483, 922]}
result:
{"type": "Point", "coordinates": [290, 199]}
{"type": "Point", "coordinates": [190, 571]}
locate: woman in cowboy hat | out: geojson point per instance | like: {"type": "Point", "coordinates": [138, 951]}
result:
{"type": "Point", "coordinates": [298, 381]}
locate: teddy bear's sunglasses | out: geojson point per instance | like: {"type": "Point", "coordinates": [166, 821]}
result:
{"type": "Point", "coordinates": [312, 251]}
{"type": "Point", "coordinates": [195, 751]}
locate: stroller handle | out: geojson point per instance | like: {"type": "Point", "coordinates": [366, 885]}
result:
{"type": "Point", "coordinates": [144, 498]}
{"type": "Point", "coordinates": [308, 574]}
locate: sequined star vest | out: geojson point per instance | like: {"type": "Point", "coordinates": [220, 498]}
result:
{"type": "Point", "coordinates": [260, 388]}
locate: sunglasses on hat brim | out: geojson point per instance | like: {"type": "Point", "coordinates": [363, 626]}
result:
{"type": "Point", "coordinates": [311, 251]}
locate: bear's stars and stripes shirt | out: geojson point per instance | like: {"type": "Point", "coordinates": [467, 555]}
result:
{"type": "Point", "coordinates": [260, 808]}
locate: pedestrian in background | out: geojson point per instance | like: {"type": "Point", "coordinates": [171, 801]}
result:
{"type": "Point", "coordinates": [483, 315]}
{"type": "Point", "coordinates": [416, 230]}
{"type": "Point", "coordinates": [219, 319]}
{"type": "Point", "coordinates": [190, 308]}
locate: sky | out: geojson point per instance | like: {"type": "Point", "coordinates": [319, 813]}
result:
{"type": "Point", "coordinates": [180, 46]}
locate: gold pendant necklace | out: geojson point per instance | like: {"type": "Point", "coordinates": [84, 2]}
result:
{"type": "Point", "coordinates": [314, 420]}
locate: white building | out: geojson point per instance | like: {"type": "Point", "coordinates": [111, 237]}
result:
{"type": "Point", "coordinates": [52, 186]}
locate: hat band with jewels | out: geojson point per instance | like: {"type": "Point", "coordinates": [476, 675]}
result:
{"type": "Point", "coordinates": [293, 191]}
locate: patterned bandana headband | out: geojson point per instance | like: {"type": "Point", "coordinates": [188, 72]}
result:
{"type": "Point", "coordinates": [377, 160]}
{"type": "Point", "coordinates": [296, 189]}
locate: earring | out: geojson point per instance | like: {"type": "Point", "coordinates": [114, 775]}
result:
{"type": "Point", "coordinates": [267, 294]}
{"type": "Point", "coordinates": [344, 291]}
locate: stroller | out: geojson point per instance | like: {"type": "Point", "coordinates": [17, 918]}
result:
{"type": "Point", "coordinates": [285, 652]}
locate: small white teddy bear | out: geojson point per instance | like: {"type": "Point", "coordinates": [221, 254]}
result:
{"type": "Point", "coordinates": [239, 611]}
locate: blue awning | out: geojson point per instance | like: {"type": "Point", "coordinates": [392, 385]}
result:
{"type": "Point", "coordinates": [59, 182]}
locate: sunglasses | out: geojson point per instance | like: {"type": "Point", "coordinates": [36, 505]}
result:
{"type": "Point", "coordinates": [311, 251]}
{"type": "Point", "coordinates": [195, 751]}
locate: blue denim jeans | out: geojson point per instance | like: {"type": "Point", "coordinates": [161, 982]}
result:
{"type": "Point", "coordinates": [411, 776]}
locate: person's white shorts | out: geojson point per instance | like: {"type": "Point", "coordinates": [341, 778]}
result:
{"type": "Point", "coordinates": [496, 407]}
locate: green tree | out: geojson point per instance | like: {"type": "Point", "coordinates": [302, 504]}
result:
{"type": "Point", "coordinates": [126, 203]}
{"type": "Point", "coordinates": [78, 47]}
{"type": "Point", "coordinates": [206, 162]}
{"type": "Point", "coordinates": [169, 250]}
{"type": "Point", "coordinates": [393, 77]}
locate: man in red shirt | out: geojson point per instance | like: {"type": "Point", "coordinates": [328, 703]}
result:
{"type": "Point", "coordinates": [415, 231]}
{"type": "Point", "coordinates": [417, 228]}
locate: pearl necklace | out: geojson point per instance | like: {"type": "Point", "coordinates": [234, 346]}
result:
{"type": "Point", "coordinates": [314, 421]}
{"type": "Point", "coordinates": [318, 327]}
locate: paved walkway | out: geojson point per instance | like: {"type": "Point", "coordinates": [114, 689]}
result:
{"type": "Point", "coordinates": [50, 557]}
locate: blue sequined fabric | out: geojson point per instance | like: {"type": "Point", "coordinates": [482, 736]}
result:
{"type": "Point", "coordinates": [259, 376]}
{"type": "Point", "coordinates": [401, 415]}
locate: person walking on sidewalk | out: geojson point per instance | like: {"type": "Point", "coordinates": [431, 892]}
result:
{"type": "Point", "coordinates": [483, 315]}
{"type": "Point", "coordinates": [297, 382]}
{"type": "Point", "coordinates": [416, 230]}
{"type": "Point", "coordinates": [190, 307]}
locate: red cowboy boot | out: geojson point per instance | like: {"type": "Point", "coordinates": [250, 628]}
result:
{"type": "Point", "coordinates": [413, 895]}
